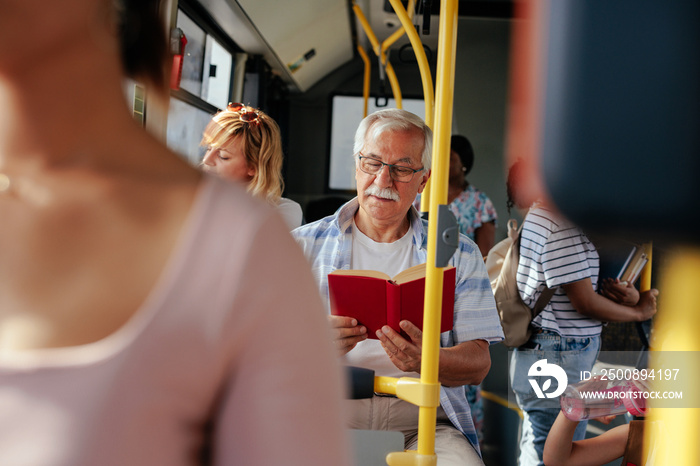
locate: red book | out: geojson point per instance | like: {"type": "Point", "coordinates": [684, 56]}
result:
{"type": "Point", "coordinates": [375, 299]}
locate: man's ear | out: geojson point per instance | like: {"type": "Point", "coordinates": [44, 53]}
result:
{"type": "Point", "coordinates": [424, 181]}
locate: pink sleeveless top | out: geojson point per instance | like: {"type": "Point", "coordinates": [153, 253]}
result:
{"type": "Point", "coordinates": [229, 358]}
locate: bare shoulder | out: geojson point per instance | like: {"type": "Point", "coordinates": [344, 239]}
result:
{"type": "Point", "coordinates": [86, 248]}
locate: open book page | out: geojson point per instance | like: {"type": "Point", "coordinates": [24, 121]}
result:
{"type": "Point", "coordinates": [410, 274]}
{"type": "Point", "coordinates": [413, 273]}
{"type": "Point", "coordinates": [363, 273]}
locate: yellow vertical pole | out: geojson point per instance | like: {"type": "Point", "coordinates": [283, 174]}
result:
{"type": "Point", "coordinates": [425, 454]}
{"type": "Point", "coordinates": [440, 171]}
{"type": "Point", "coordinates": [645, 277]}
{"type": "Point", "coordinates": [675, 329]}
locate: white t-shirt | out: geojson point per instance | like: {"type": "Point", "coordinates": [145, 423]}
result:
{"type": "Point", "coordinates": [290, 212]}
{"type": "Point", "coordinates": [390, 258]}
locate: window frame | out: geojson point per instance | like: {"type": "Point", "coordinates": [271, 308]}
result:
{"type": "Point", "coordinates": [206, 22]}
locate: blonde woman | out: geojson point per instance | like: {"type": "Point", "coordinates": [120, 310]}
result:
{"type": "Point", "coordinates": [244, 144]}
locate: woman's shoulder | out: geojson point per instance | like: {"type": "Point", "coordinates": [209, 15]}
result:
{"type": "Point", "coordinates": [540, 216]}
{"type": "Point", "coordinates": [227, 204]}
{"type": "Point", "coordinates": [291, 212]}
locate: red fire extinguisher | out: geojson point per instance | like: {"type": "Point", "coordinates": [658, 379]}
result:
{"type": "Point", "coordinates": [178, 41]}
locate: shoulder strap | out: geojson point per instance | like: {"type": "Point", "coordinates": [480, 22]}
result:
{"type": "Point", "coordinates": [546, 294]}
{"type": "Point", "coordinates": [542, 301]}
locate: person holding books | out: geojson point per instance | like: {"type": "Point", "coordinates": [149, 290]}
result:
{"type": "Point", "coordinates": [556, 254]}
{"type": "Point", "coordinates": [244, 144]}
{"type": "Point", "coordinates": [132, 332]}
{"type": "Point", "coordinates": [381, 230]}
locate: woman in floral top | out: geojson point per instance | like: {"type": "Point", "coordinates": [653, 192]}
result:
{"type": "Point", "coordinates": [474, 211]}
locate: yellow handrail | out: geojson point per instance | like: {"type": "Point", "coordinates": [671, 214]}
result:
{"type": "Point", "coordinates": [645, 277]}
{"type": "Point", "coordinates": [425, 454]}
{"type": "Point", "coordinates": [426, 391]}
{"type": "Point", "coordinates": [380, 51]}
{"type": "Point", "coordinates": [365, 82]}
{"type": "Point", "coordinates": [675, 329]}
{"type": "Point", "coordinates": [423, 65]}
{"type": "Point", "coordinates": [393, 80]}
{"type": "Point", "coordinates": [426, 78]}
{"type": "Point", "coordinates": [389, 41]}
{"type": "Point", "coordinates": [368, 29]}
{"type": "Point", "coordinates": [440, 171]}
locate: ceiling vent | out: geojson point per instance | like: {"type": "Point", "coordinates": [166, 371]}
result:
{"type": "Point", "coordinates": [302, 41]}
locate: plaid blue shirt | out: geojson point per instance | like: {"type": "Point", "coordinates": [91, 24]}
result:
{"type": "Point", "coordinates": [327, 244]}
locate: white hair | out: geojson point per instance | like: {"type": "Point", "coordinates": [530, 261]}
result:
{"type": "Point", "coordinates": [394, 119]}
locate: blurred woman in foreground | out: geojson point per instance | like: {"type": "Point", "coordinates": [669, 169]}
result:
{"type": "Point", "coordinates": [128, 335]}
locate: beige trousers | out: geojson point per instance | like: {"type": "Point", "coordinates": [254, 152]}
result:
{"type": "Point", "coordinates": [390, 413]}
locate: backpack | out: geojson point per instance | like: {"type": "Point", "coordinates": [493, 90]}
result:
{"type": "Point", "coordinates": [502, 266]}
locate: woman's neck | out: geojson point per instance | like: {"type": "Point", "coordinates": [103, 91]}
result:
{"type": "Point", "coordinates": [455, 189]}
{"type": "Point", "coordinates": [53, 123]}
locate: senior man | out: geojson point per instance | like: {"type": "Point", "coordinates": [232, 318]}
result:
{"type": "Point", "coordinates": [381, 230]}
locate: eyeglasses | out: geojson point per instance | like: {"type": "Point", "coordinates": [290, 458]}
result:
{"type": "Point", "coordinates": [247, 114]}
{"type": "Point", "coordinates": [399, 173]}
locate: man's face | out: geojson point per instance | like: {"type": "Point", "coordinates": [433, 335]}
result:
{"type": "Point", "coordinates": [381, 198]}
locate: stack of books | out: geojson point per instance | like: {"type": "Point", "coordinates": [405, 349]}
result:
{"type": "Point", "coordinates": [637, 259]}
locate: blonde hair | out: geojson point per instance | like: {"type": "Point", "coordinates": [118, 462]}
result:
{"type": "Point", "coordinates": [262, 146]}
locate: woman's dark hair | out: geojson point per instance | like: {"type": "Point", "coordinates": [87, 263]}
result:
{"type": "Point", "coordinates": [144, 45]}
{"type": "Point", "coordinates": [463, 147]}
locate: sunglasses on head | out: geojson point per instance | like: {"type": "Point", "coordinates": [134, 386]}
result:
{"type": "Point", "coordinates": [247, 114]}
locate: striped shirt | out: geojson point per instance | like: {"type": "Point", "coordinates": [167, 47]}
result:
{"type": "Point", "coordinates": [327, 244]}
{"type": "Point", "coordinates": [555, 252]}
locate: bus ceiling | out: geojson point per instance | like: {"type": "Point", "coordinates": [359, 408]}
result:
{"type": "Point", "coordinates": [305, 41]}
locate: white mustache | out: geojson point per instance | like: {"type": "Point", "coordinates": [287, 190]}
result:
{"type": "Point", "coordinates": [383, 193]}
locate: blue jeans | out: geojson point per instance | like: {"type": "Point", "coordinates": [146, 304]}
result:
{"type": "Point", "coordinates": [571, 354]}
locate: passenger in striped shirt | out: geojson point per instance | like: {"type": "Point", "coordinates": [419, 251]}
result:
{"type": "Point", "coordinates": [557, 254]}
